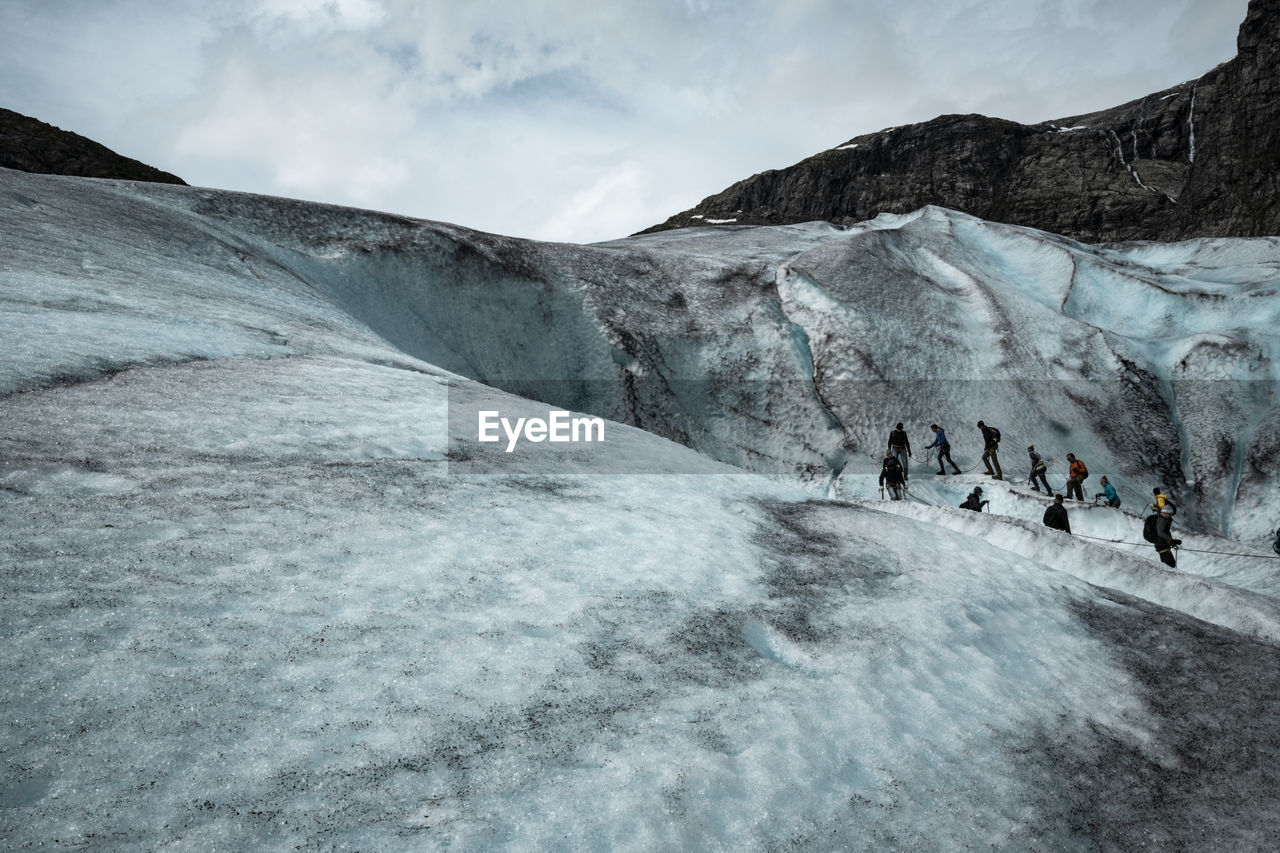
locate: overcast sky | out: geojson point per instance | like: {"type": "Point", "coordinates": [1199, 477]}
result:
{"type": "Point", "coordinates": [574, 120]}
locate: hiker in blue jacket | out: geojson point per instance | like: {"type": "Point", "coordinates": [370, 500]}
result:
{"type": "Point", "coordinates": [1108, 494]}
{"type": "Point", "coordinates": [944, 449]}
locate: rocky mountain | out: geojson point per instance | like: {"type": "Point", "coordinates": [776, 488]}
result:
{"type": "Point", "coordinates": [30, 145]}
{"type": "Point", "coordinates": [1199, 159]}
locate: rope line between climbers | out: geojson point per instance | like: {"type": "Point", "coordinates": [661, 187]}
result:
{"type": "Point", "coordinates": [1178, 547]}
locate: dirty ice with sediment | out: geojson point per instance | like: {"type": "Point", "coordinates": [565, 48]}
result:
{"type": "Point", "coordinates": [264, 588]}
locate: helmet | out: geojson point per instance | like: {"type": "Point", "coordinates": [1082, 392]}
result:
{"type": "Point", "coordinates": [977, 490]}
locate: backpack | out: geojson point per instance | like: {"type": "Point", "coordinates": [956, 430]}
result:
{"type": "Point", "coordinates": [995, 434]}
{"type": "Point", "coordinates": [1149, 528]}
{"type": "Point", "coordinates": [1084, 472]}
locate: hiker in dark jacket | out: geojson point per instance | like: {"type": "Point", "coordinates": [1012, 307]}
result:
{"type": "Point", "coordinates": [891, 475]}
{"type": "Point", "coordinates": [900, 446]}
{"type": "Point", "coordinates": [990, 445]}
{"type": "Point", "coordinates": [944, 449]}
{"type": "Point", "coordinates": [975, 501]}
{"type": "Point", "coordinates": [1037, 470]}
{"type": "Point", "coordinates": [1165, 543]}
{"type": "Point", "coordinates": [1055, 515]}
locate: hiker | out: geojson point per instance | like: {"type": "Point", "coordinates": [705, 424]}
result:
{"type": "Point", "coordinates": [900, 446]}
{"type": "Point", "coordinates": [1037, 470]}
{"type": "Point", "coordinates": [1076, 474]}
{"type": "Point", "coordinates": [991, 444]}
{"type": "Point", "coordinates": [944, 449]}
{"type": "Point", "coordinates": [1108, 494]}
{"type": "Point", "coordinates": [891, 474]}
{"type": "Point", "coordinates": [1158, 499]}
{"type": "Point", "coordinates": [1055, 515]}
{"type": "Point", "coordinates": [974, 501]}
{"type": "Point", "coordinates": [1157, 531]}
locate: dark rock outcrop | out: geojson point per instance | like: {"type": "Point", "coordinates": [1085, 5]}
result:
{"type": "Point", "coordinates": [1199, 159]}
{"type": "Point", "coordinates": [30, 145]}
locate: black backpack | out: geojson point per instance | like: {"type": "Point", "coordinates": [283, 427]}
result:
{"type": "Point", "coordinates": [1149, 528]}
{"type": "Point", "coordinates": [995, 434]}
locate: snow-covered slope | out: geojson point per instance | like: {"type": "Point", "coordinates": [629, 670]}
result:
{"type": "Point", "coordinates": [262, 591]}
{"type": "Point", "coordinates": [786, 350]}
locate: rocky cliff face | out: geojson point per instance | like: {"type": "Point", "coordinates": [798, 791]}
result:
{"type": "Point", "coordinates": [1199, 159]}
{"type": "Point", "coordinates": [30, 145]}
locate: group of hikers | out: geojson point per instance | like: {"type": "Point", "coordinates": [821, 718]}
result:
{"type": "Point", "coordinates": [894, 473]}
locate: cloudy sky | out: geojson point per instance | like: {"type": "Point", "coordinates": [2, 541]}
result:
{"type": "Point", "coordinates": [574, 120]}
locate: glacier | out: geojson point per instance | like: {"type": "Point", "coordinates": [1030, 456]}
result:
{"type": "Point", "coordinates": [264, 589]}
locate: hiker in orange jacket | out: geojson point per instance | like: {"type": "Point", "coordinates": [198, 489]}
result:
{"type": "Point", "coordinates": [1076, 475]}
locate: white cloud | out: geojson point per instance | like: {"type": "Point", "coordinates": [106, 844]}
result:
{"type": "Point", "coordinates": [318, 17]}
{"type": "Point", "coordinates": [517, 117]}
{"type": "Point", "coordinates": [603, 204]}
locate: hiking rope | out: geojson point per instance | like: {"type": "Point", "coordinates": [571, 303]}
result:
{"type": "Point", "coordinates": [907, 492]}
{"type": "Point", "coordinates": [1223, 553]}
{"type": "Point", "coordinates": [1112, 541]}
{"type": "Point", "coordinates": [1175, 547]}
